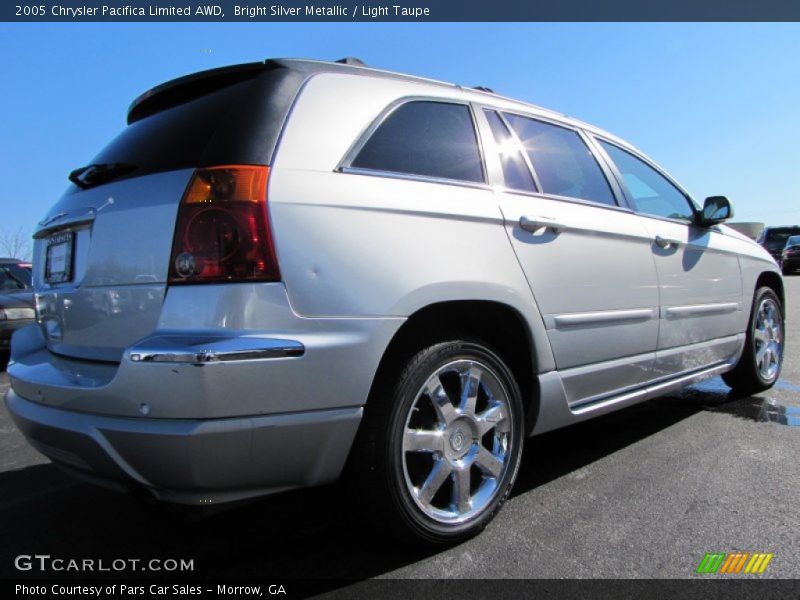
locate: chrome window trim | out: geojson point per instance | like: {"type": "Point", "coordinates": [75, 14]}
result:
{"type": "Point", "coordinates": [345, 164]}
{"type": "Point", "coordinates": [671, 220]}
{"type": "Point", "coordinates": [412, 177]}
{"type": "Point", "coordinates": [478, 140]}
{"type": "Point", "coordinates": [580, 201]}
{"type": "Point", "coordinates": [566, 124]}
{"type": "Point", "coordinates": [494, 166]}
{"type": "Point", "coordinates": [605, 164]}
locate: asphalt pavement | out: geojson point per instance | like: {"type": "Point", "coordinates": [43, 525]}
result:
{"type": "Point", "coordinates": [642, 493]}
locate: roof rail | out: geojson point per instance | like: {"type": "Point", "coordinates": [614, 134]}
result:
{"type": "Point", "coordinates": [351, 60]}
{"type": "Point", "coordinates": [483, 88]}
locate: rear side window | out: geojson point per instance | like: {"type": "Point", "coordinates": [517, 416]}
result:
{"type": "Point", "coordinates": [563, 163]}
{"type": "Point", "coordinates": [651, 192]}
{"type": "Point", "coordinates": [431, 139]}
{"type": "Point", "coordinates": [515, 171]}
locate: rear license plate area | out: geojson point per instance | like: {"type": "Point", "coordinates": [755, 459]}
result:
{"type": "Point", "coordinates": [58, 258]}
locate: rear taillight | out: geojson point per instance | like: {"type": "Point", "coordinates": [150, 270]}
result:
{"type": "Point", "coordinates": [223, 231]}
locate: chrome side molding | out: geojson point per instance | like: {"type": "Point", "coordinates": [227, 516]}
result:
{"type": "Point", "coordinates": [602, 317]}
{"type": "Point", "coordinates": [203, 350]}
{"type": "Point", "coordinates": [698, 310]}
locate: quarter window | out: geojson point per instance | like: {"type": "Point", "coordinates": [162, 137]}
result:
{"type": "Point", "coordinates": [515, 172]}
{"type": "Point", "coordinates": [650, 191]}
{"type": "Point", "coordinates": [432, 139]}
{"type": "Point", "coordinates": [563, 163]}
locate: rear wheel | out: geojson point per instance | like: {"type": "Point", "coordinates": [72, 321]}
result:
{"type": "Point", "coordinates": [442, 442]}
{"type": "Point", "coordinates": [760, 364]}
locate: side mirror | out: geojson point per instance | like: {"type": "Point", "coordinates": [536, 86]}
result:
{"type": "Point", "coordinates": [716, 209]}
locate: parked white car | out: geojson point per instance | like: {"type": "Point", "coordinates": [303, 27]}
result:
{"type": "Point", "coordinates": [316, 265]}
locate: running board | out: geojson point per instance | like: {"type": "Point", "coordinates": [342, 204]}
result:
{"type": "Point", "coordinates": [554, 412]}
{"type": "Point", "coordinates": [654, 390]}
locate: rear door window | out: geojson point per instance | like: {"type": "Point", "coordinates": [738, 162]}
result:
{"type": "Point", "coordinates": [563, 163]}
{"type": "Point", "coordinates": [425, 138]}
{"type": "Point", "coordinates": [515, 172]}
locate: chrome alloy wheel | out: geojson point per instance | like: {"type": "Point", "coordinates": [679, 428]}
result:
{"type": "Point", "coordinates": [768, 337]}
{"type": "Point", "coordinates": [457, 441]}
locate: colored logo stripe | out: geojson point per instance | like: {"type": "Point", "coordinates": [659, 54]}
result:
{"type": "Point", "coordinates": [711, 562]}
{"type": "Point", "coordinates": [758, 564]}
{"type": "Point", "coordinates": [734, 562]}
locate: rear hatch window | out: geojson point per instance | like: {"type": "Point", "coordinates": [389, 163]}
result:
{"type": "Point", "coordinates": [227, 116]}
{"type": "Point", "coordinates": [172, 139]}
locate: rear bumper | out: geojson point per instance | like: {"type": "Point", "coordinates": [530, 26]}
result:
{"type": "Point", "coordinates": [193, 461]}
{"type": "Point", "coordinates": [219, 352]}
{"type": "Point", "coordinates": [233, 395]}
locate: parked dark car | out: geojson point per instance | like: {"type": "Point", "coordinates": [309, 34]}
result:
{"type": "Point", "coordinates": [774, 239]}
{"type": "Point", "coordinates": [16, 300]}
{"type": "Point", "coordinates": [790, 257]}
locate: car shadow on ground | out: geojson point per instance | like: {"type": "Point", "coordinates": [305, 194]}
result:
{"type": "Point", "coordinates": [314, 534]}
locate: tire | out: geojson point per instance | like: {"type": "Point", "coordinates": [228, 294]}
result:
{"type": "Point", "coordinates": [757, 369]}
{"type": "Point", "coordinates": [440, 444]}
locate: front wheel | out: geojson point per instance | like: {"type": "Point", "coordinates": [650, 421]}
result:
{"type": "Point", "coordinates": [448, 435]}
{"type": "Point", "coordinates": [760, 364]}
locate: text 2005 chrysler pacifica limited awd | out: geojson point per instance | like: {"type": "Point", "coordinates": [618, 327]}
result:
{"type": "Point", "coordinates": [285, 271]}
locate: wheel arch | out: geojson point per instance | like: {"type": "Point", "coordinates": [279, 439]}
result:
{"type": "Point", "coordinates": [772, 280]}
{"type": "Point", "coordinates": [499, 325]}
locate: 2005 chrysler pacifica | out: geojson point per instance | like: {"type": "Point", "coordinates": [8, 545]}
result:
{"type": "Point", "coordinates": [283, 271]}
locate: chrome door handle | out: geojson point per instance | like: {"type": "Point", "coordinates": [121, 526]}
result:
{"type": "Point", "coordinates": [664, 242]}
{"type": "Point", "coordinates": [535, 224]}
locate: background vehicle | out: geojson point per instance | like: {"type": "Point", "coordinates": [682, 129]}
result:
{"type": "Point", "coordinates": [16, 300]}
{"type": "Point", "coordinates": [282, 269]}
{"type": "Point", "coordinates": [774, 239]}
{"type": "Point", "coordinates": [790, 256]}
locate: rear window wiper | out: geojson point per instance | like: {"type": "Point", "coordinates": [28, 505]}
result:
{"type": "Point", "coordinates": [95, 174]}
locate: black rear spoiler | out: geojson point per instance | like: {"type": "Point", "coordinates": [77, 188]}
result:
{"type": "Point", "coordinates": [183, 89]}
{"type": "Point", "coordinates": [193, 86]}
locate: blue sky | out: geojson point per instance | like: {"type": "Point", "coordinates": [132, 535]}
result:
{"type": "Point", "coordinates": [718, 105]}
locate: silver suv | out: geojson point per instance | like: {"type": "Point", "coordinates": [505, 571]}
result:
{"type": "Point", "coordinates": [285, 271]}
